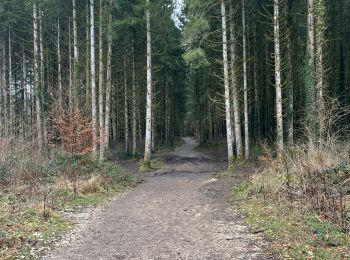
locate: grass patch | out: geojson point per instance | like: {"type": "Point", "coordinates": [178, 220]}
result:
{"type": "Point", "coordinates": [38, 189]}
{"type": "Point", "coordinates": [293, 235]}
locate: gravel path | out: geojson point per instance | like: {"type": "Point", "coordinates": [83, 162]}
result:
{"type": "Point", "coordinates": [178, 215]}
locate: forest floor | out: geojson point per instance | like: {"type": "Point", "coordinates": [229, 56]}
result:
{"type": "Point", "coordinates": [182, 210]}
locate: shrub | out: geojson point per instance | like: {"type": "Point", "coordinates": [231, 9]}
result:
{"type": "Point", "coordinates": [308, 178]}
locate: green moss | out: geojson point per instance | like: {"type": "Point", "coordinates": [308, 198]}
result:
{"type": "Point", "coordinates": [145, 167]}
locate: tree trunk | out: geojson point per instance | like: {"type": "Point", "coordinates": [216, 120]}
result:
{"type": "Point", "coordinates": [24, 96]}
{"type": "Point", "coordinates": [289, 79]}
{"type": "Point", "coordinates": [37, 79]}
{"type": "Point", "coordinates": [108, 83]}
{"type": "Point", "coordinates": [278, 81]}
{"type": "Point", "coordinates": [10, 84]}
{"type": "Point", "coordinates": [257, 120]}
{"type": "Point", "coordinates": [5, 92]}
{"type": "Point", "coordinates": [75, 83]}
{"type": "Point", "coordinates": [245, 84]}
{"type": "Point", "coordinates": [93, 77]}
{"type": "Point", "coordinates": [148, 137]}
{"type": "Point", "coordinates": [71, 91]}
{"type": "Point", "coordinates": [236, 108]}
{"type": "Point", "coordinates": [126, 109]}
{"type": "Point", "coordinates": [59, 61]}
{"type": "Point", "coordinates": [134, 108]}
{"type": "Point", "coordinates": [87, 65]}
{"type": "Point", "coordinates": [310, 69]}
{"type": "Point", "coordinates": [227, 85]}
{"type": "Point", "coordinates": [42, 68]}
{"type": "Point", "coordinates": [320, 74]}
{"type": "Point", "coordinates": [100, 79]}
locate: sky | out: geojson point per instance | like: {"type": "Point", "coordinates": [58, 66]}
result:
{"type": "Point", "coordinates": [178, 5]}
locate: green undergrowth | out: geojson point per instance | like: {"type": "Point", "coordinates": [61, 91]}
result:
{"type": "Point", "coordinates": [293, 234]}
{"type": "Point", "coordinates": [31, 205]}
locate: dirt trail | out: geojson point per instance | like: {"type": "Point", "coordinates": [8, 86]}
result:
{"type": "Point", "coordinates": [178, 215]}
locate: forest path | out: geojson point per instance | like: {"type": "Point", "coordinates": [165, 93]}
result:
{"type": "Point", "coordinates": [177, 215]}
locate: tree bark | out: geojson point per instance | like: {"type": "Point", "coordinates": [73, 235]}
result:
{"type": "Point", "coordinates": [75, 82]}
{"type": "Point", "coordinates": [37, 79]}
{"type": "Point", "coordinates": [10, 84]}
{"type": "Point", "coordinates": [226, 85]}
{"type": "Point", "coordinates": [320, 74]}
{"type": "Point", "coordinates": [236, 108]}
{"type": "Point", "coordinates": [134, 108]}
{"type": "Point", "coordinates": [148, 137]}
{"type": "Point", "coordinates": [289, 79]}
{"type": "Point", "coordinates": [278, 80]}
{"type": "Point", "coordinates": [87, 65]}
{"type": "Point", "coordinates": [93, 78]}
{"type": "Point", "coordinates": [126, 109]}
{"type": "Point", "coordinates": [100, 79]}
{"type": "Point", "coordinates": [71, 87]}
{"type": "Point", "coordinates": [108, 83]}
{"type": "Point", "coordinates": [24, 95]}
{"type": "Point", "coordinates": [245, 85]}
{"type": "Point", "coordinates": [59, 61]}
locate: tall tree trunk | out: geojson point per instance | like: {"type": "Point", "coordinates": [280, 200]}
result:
{"type": "Point", "coordinates": [257, 120]}
{"type": "Point", "coordinates": [100, 78]}
{"type": "Point", "coordinates": [126, 109]}
{"type": "Point", "coordinates": [71, 87]}
{"type": "Point", "coordinates": [227, 85]}
{"type": "Point", "coordinates": [2, 98]}
{"type": "Point", "coordinates": [320, 74]}
{"type": "Point", "coordinates": [37, 79]}
{"type": "Point", "coordinates": [42, 80]}
{"type": "Point", "coordinates": [148, 138]}
{"type": "Point", "coordinates": [134, 108]}
{"type": "Point", "coordinates": [10, 84]}
{"type": "Point", "coordinates": [87, 65]}
{"type": "Point", "coordinates": [93, 78]}
{"type": "Point", "coordinates": [310, 69]}
{"type": "Point", "coordinates": [109, 82]}
{"type": "Point", "coordinates": [245, 84]}
{"type": "Point", "coordinates": [236, 108]}
{"type": "Point", "coordinates": [76, 85]}
{"type": "Point", "coordinates": [24, 95]}
{"type": "Point", "coordinates": [139, 114]}
{"type": "Point", "coordinates": [278, 80]}
{"type": "Point", "coordinates": [153, 140]}
{"type": "Point", "coordinates": [289, 79]}
{"type": "Point", "coordinates": [5, 92]}
{"type": "Point", "coordinates": [59, 61]}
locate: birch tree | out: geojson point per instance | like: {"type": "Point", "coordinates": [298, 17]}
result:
{"type": "Point", "coordinates": [236, 107]}
{"type": "Point", "coordinates": [226, 84]}
{"type": "Point", "coordinates": [320, 74]}
{"type": "Point", "coordinates": [134, 106]}
{"type": "Point", "coordinates": [278, 83]}
{"type": "Point", "coordinates": [75, 82]}
{"type": "Point", "coordinates": [59, 65]}
{"type": "Point", "coordinates": [37, 79]}
{"type": "Point", "coordinates": [101, 78]}
{"type": "Point", "coordinates": [148, 138]}
{"type": "Point", "coordinates": [93, 77]}
{"type": "Point", "coordinates": [105, 145]}
{"type": "Point", "coordinates": [126, 109]}
{"type": "Point", "coordinates": [310, 67]}
{"type": "Point", "coordinates": [245, 84]}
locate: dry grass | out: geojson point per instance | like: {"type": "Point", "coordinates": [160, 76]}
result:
{"type": "Point", "coordinates": [308, 178]}
{"type": "Point", "coordinates": [94, 184]}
